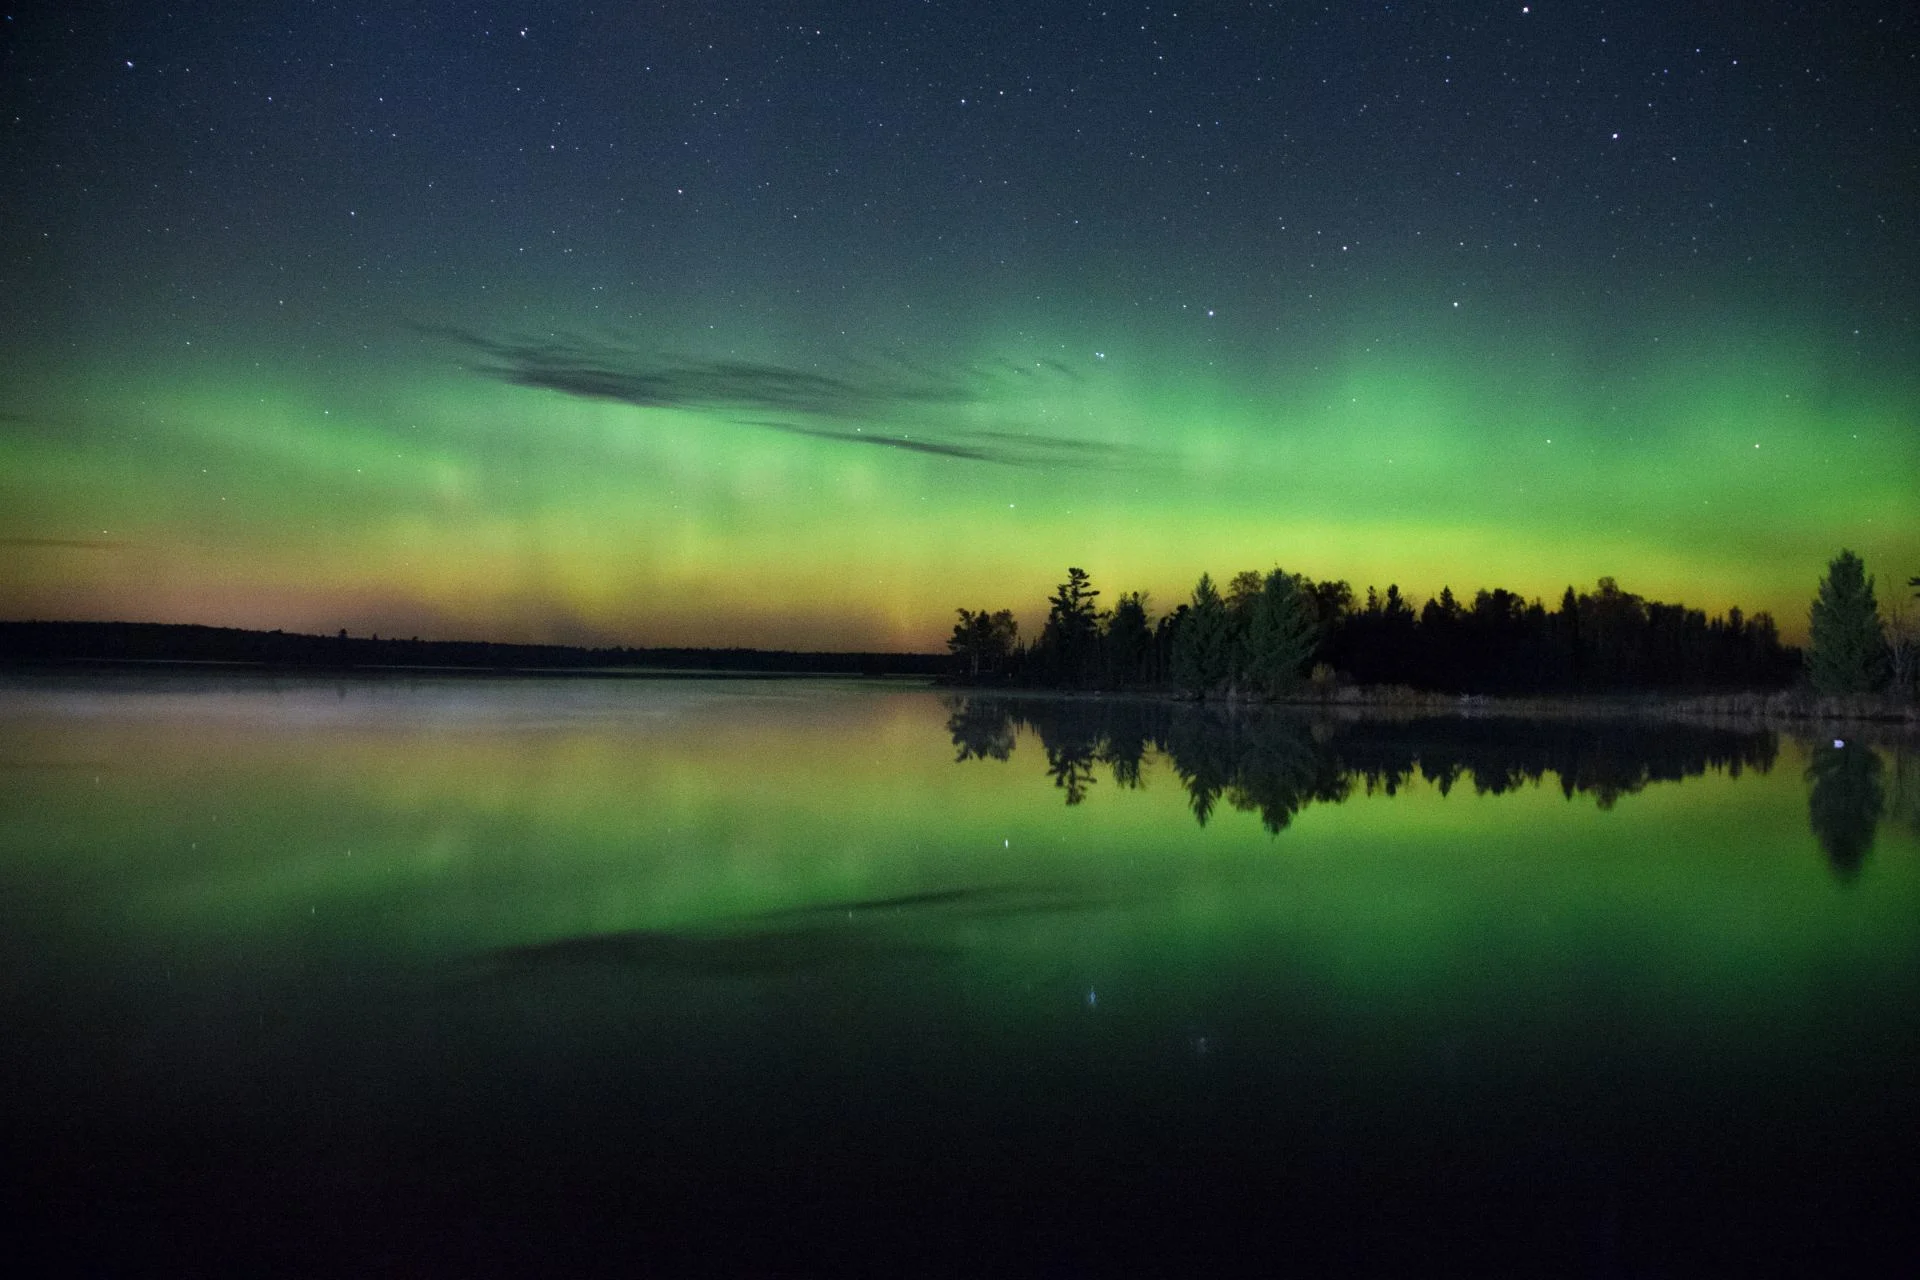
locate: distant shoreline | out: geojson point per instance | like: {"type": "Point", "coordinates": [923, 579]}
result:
{"type": "Point", "coordinates": [267, 670]}
{"type": "Point", "coordinates": [153, 645]}
{"type": "Point", "coordinates": [186, 649]}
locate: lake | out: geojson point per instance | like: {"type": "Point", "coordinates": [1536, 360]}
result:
{"type": "Point", "coordinates": [448, 975]}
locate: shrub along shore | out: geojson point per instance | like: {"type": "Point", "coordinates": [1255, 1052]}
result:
{"type": "Point", "coordinates": [1796, 708]}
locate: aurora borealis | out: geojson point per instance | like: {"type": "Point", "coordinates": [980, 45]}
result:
{"type": "Point", "coordinates": [799, 325]}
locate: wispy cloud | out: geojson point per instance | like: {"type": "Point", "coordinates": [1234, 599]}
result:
{"type": "Point", "coordinates": [894, 404]}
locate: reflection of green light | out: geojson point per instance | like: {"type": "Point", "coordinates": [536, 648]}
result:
{"type": "Point", "coordinates": [492, 881]}
{"type": "Point", "coordinates": [480, 818]}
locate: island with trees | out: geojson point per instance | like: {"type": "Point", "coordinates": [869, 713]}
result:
{"type": "Point", "coordinates": [1279, 636]}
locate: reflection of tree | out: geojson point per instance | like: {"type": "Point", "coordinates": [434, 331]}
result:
{"type": "Point", "coordinates": [1070, 765]}
{"type": "Point", "coordinates": [1276, 764]}
{"type": "Point", "coordinates": [1262, 764]}
{"type": "Point", "coordinates": [1125, 749]}
{"type": "Point", "coordinates": [1202, 753]}
{"type": "Point", "coordinates": [1845, 803]}
{"type": "Point", "coordinates": [1281, 770]}
{"type": "Point", "coordinates": [1603, 759]}
{"type": "Point", "coordinates": [981, 729]}
{"type": "Point", "coordinates": [1072, 743]}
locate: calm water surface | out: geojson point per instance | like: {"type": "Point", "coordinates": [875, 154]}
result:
{"type": "Point", "coordinates": [450, 975]}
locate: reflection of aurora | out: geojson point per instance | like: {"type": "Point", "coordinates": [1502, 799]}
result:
{"type": "Point", "coordinates": [439, 945]}
{"type": "Point", "coordinates": [1277, 764]}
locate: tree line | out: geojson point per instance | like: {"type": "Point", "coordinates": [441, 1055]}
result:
{"type": "Point", "coordinates": [1268, 634]}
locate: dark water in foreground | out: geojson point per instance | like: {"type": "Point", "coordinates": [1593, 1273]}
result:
{"type": "Point", "coordinates": [461, 976]}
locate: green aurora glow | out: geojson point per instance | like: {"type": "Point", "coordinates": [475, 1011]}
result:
{"type": "Point", "coordinates": [1429, 351]}
{"type": "Point", "coordinates": [413, 504]}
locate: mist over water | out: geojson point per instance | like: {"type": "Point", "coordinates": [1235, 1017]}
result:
{"type": "Point", "coordinates": [461, 974]}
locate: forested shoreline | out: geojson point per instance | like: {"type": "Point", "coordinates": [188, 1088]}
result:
{"type": "Point", "coordinates": [1279, 634]}
{"type": "Point", "coordinates": [1267, 636]}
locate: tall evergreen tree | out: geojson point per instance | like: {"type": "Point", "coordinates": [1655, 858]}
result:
{"type": "Point", "coordinates": [1848, 651]}
{"type": "Point", "coordinates": [1203, 644]}
{"type": "Point", "coordinates": [1071, 637]}
{"type": "Point", "coordinates": [1129, 641]}
{"type": "Point", "coordinates": [1166, 636]}
{"type": "Point", "coordinates": [1282, 629]}
{"type": "Point", "coordinates": [1439, 665]}
{"type": "Point", "coordinates": [1243, 592]}
{"type": "Point", "coordinates": [1566, 639]}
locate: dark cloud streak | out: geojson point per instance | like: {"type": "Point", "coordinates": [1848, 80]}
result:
{"type": "Point", "coordinates": [818, 405]}
{"type": "Point", "coordinates": [850, 436]}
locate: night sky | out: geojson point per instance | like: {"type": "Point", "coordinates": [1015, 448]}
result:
{"type": "Point", "coordinates": [802, 324]}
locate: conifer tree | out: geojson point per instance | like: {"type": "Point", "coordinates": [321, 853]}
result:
{"type": "Point", "coordinates": [1071, 636]}
{"type": "Point", "coordinates": [1202, 647]}
{"type": "Point", "coordinates": [1281, 633]}
{"type": "Point", "coordinates": [1848, 650]}
{"type": "Point", "coordinates": [1129, 641]}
